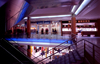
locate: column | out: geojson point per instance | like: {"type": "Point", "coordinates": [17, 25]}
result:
{"type": "Point", "coordinates": [29, 51]}
{"type": "Point", "coordinates": [50, 29]}
{"type": "Point", "coordinates": [53, 53]}
{"type": "Point", "coordinates": [46, 51]}
{"type": "Point", "coordinates": [61, 28]}
{"type": "Point", "coordinates": [38, 29]}
{"type": "Point", "coordinates": [28, 28]}
{"type": "Point", "coordinates": [28, 36]}
{"type": "Point", "coordinates": [12, 30]}
{"type": "Point", "coordinates": [73, 25]}
{"type": "Point", "coordinates": [97, 26]}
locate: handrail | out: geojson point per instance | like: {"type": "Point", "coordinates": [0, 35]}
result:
{"type": "Point", "coordinates": [55, 47]}
{"type": "Point", "coordinates": [93, 51]}
{"type": "Point", "coordinates": [23, 48]}
{"type": "Point", "coordinates": [67, 47]}
{"type": "Point", "coordinates": [52, 55]}
{"type": "Point", "coordinates": [55, 53]}
{"type": "Point", "coordinates": [11, 54]}
{"type": "Point", "coordinates": [92, 43]}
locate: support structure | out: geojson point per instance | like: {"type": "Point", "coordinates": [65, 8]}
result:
{"type": "Point", "coordinates": [28, 36]}
{"type": "Point", "coordinates": [53, 53]}
{"type": "Point", "coordinates": [46, 51]}
{"type": "Point", "coordinates": [98, 27]}
{"type": "Point", "coordinates": [29, 51]}
{"type": "Point", "coordinates": [73, 25]}
{"type": "Point", "coordinates": [61, 28]}
{"type": "Point", "coordinates": [28, 28]}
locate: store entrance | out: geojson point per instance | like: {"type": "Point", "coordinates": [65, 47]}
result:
{"type": "Point", "coordinates": [44, 29]}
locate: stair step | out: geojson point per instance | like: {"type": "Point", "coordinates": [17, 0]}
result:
{"type": "Point", "coordinates": [71, 56]}
{"type": "Point", "coordinates": [76, 55]}
{"type": "Point", "coordinates": [67, 61]}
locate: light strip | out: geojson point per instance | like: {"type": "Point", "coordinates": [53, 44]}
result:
{"type": "Point", "coordinates": [73, 9]}
{"type": "Point", "coordinates": [49, 16]}
{"type": "Point", "coordinates": [84, 3]}
{"type": "Point", "coordinates": [37, 43]}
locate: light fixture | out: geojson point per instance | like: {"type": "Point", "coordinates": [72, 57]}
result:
{"type": "Point", "coordinates": [84, 3]}
{"type": "Point", "coordinates": [73, 9]}
{"type": "Point", "coordinates": [50, 16]}
{"type": "Point", "coordinates": [25, 18]}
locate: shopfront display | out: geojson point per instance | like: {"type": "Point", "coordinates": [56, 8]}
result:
{"type": "Point", "coordinates": [46, 27]}
{"type": "Point", "coordinates": [83, 27]}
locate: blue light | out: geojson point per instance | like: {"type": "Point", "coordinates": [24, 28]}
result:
{"type": "Point", "coordinates": [46, 41]}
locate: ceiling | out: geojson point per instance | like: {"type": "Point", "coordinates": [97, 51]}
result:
{"type": "Point", "coordinates": [50, 7]}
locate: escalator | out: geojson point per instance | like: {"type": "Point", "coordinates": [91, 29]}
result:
{"type": "Point", "coordinates": [11, 55]}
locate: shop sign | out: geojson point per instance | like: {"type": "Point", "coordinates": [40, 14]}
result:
{"type": "Point", "coordinates": [47, 22]}
{"type": "Point", "coordinates": [39, 22]}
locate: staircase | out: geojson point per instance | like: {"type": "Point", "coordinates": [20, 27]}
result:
{"type": "Point", "coordinates": [80, 52]}
{"type": "Point", "coordinates": [72, 57]}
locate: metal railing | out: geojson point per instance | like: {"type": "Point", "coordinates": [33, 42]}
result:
{"type": "Point", "coordinates": [90, 51]}
{"type": "Point", "coordinates": [54, 48]}
{"type": "Point", "coordinates": [45, 52]}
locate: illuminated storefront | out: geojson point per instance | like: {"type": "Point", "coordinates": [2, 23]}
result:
{"type": "Point", "coordinates": [85, 27]}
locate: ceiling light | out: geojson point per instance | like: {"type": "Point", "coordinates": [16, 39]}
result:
{"type": "Point", "coordinates": [84, 3]}
{"type": "Point", "coordinates": [50, 16]}
{"type": "Point", "coordinates": [73, 9]}
{"type": "Point", "coordinates": [25, 18]}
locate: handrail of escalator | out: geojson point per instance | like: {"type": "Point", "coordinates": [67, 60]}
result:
{"type": "Point", "coordinates": [57, 46]}
{"type": "Point", "coordinates": [11, 55]}
{"type": "Point", "coordinates": [23, 48]}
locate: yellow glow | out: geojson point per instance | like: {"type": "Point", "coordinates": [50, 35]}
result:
{"type": "Point", "coordinates": [33, 28]}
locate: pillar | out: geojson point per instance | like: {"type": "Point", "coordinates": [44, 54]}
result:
{"type": "Point", "coordinates": [53, 53]}
{"type": "Point", "coordinates": [73, 25]}
{"type": "Point", "coordinates": [61, 28]}
{"type": "Point", "coordinates": [98, 28]}
{"type": "Point", "coordinates": [29, 51]}
{"type": "Point", "coordinates": [50, 28]}
{"type": "Point", "coordinates": [46, 51]}
{"type": "Point", "coordinates": [28, 28]}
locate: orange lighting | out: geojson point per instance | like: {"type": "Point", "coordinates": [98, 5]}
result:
{"type": "Point", "coordinates": [33, 28]}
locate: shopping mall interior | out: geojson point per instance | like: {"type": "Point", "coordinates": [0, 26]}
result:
{"type": "Point", "coordinates": [49, 31]}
